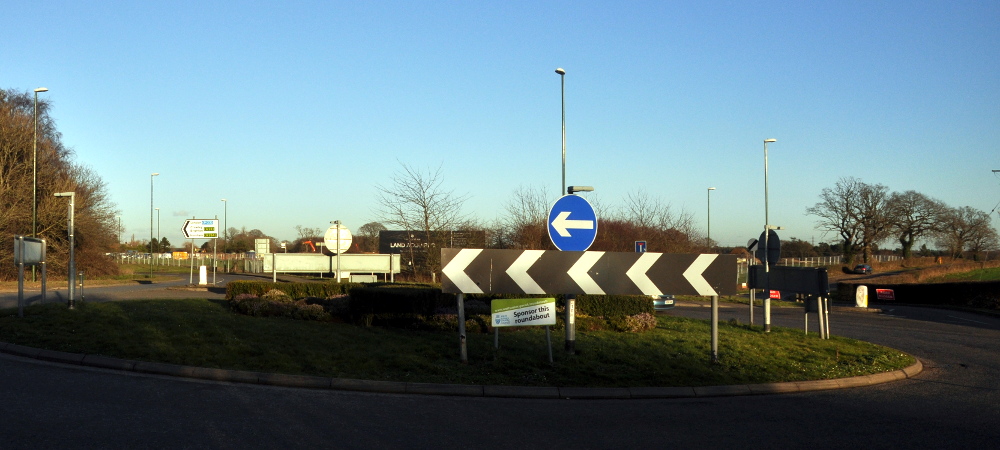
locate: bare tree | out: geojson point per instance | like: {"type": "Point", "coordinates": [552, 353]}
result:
{"type": "Point", "coordinates": [416, 200]}
{"type": "Point", "coordinates": [95, 222]}
{"type": "Point", "coordinates": [523, 225]}
{"type": "Point", "coordinates": [368, 234]}
{"type": "Point", "coordinates": [914, 215]}
{"type": "Point", "coordinates": [873, 215]}
{"type": "Point", "coordinates": [836, 211]}
{"type": "Point", "coordinates": [966, 229]}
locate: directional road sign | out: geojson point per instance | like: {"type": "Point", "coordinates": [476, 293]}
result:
{"type": "Point", "coordinates": [572, 223]}
{"type": "Point", "coordinates": [474, 271]}
{"type": "Point", "coordinates": [201, 229]}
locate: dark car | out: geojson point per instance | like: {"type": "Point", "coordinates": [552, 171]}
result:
{"type": "Point", "coordinates": [862, 268]}
{"type": "Point", "coordinates": [663, 302]}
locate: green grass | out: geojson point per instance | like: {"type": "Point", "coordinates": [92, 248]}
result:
{"type": "Point", "coordinates": [991, 274]}
{"type": "Point", "coordinates": [205, 333]}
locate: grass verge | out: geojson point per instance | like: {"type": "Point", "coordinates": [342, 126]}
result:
{"type": "Point", "coordinates": [205, 333]}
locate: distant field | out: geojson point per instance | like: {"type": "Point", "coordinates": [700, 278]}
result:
{"type": "Point", "coordinates": [990, 274]}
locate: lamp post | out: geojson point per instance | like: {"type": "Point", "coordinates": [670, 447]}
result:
{"type": "Point", "coordinates": [225, 231]}
{"type": "Point", "coordinates": [708, 242]}
{"type": "Point", "coordinates": [151, 223]}
{"type": "Point", "coordinates": [34, 175]}
{"type": "Point", "coordinates": [562, 90]}
{"type": "Point", "coordinates": [767, 231]}
{"type": "Point", "coordinates": [71, 279]}
{"type": "Point", "coordinates": [158, 249]}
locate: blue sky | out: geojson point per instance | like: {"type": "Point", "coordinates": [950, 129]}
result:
{"type": "Point", "coordinates": [296, 111]}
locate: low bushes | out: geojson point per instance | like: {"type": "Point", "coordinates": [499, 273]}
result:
{"type": "Point", "coordinates": [422, 307]}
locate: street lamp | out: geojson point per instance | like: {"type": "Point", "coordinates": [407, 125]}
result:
{"type": "Point", "coordinates": [158, 230]}
{"type": "Point", "coordinates": [71, 279]}
{"type": "Point", "coordinates": [34, 175]}
{"type": "Point", "coordinates": [767, 231]}
{"type": "Point", "coordinates": [151, 223]}
{"type": "Point", "coordinates": [225, 231]}
{"type": "Point", "coordinates": [562, 83]}
{"type": "Point", "coordinates": [709, 238]}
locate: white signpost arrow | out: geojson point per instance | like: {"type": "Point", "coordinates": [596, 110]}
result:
{"type": "Point", "coordinates": [563, 224]}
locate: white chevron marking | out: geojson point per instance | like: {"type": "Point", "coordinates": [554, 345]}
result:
{"type": "Point", "coordinates": [519, 271]}
{"type": "Point", "coordinates": [455, 271]}
{"type": "Point", "coordinates": [694, 274]}
{"type": "Point", "coordinates": [579, 273]}
{"type": "Point", "coordinates": [637, 273]}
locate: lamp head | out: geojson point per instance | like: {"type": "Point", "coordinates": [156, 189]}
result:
{"type": "Point", "coordinates": [64, 194]}
{"type": "Point", "coordinates": [42, 89]}
{"type": "Point", "coordinates": [768, 141]}
{"type": "Point", "coordinates": [711, 188]}
{"type": "Point", "coordinates": [560, 71]}
{"type": "Point", "coordinates": [154, 174]}
{"type": "Point", "coordinates": [575, 189]}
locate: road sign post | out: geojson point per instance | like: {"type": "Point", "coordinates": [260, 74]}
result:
{"type": "Point", "coordinates": [572, 225]}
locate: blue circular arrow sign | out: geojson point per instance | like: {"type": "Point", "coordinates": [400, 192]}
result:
{"type": "Point", "coordinates": [572, 223]}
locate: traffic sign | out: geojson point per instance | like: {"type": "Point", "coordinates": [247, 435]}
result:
{"type": "Point", "coordinates": [474, 271]}
{"type": "Point", "coordinates": [201, 229]}
{"type": "Point", "coordinates": [773, 248]}
{"type": "Point", "coordinates": [640, 246]}
{"type": "Point", "coordinates": [338, 238]}
{"type": "Point", "coordinates": [572, 223]}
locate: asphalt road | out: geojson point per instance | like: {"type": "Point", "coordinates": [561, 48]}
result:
{"type": "Point", "coordinates": [954, 403]}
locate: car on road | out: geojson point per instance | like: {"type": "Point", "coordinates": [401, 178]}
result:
{"type": "Point", "coordinates": [863, 269]}
{"type": "Point", "coordinates": [663, 302]}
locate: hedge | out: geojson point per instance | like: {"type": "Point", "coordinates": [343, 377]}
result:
{"type": "Point", "coordinates": [974, 294]}
{"type": "Point", "coordinates": [294, 290]}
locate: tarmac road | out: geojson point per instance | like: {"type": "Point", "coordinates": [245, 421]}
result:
{"type": "Point", "coordinates": [953, 403]}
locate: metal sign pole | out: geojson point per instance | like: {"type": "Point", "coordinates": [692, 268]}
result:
{"type": "Point", "coordinates": [715, 328]}
{"type": "Point", "coordinates": [570, 323]}
{"type": "Point", "coordinates": [191, 258]}
{"type": "Point", "coordinates": [463, 352]}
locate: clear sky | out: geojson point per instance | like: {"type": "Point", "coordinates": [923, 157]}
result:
{"type": "Point", "coordinates": [294, 111]}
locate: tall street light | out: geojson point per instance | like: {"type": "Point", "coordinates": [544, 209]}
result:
{"type": "Point", "coordinates": [34, 176]}
{"type": "Point", "coordinates": [158, 230]}
{"type": "Point", "coordinates": [709, 239]}
{"type": "Point", "coordinates": [225, 231]}
{"type": "Point", "coordinates": [562, 83]}
{"type": "Point", "coordinates": [151, 223]}
{"type": "Point", "coordinates": [767, 232]}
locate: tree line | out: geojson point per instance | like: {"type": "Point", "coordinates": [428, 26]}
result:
{"type": "Point", "coordinates": [95, 215]}
{"type": "Point", "coordinates": [864, 215]}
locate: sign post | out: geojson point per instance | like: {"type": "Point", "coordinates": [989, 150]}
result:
{"type": "Point", "coordinates": [520, 312]}
{"type": "Point", "coordinates": [200, 229]}
{"type": "Point", "coordinates": [572, 226]}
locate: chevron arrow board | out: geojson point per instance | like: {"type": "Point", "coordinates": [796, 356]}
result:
{"type": "Point", "coordinates": [479, 271]}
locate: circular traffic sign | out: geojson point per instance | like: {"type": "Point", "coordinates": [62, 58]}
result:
{"type": "Point", "coordinates": [572, 223]}
{"type": "Point", "coordinates": [338, 232]}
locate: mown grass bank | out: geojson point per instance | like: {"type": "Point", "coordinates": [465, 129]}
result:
{"type": "Point", "coordinates": [205, 333]}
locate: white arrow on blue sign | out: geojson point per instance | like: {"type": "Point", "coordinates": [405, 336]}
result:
{"type": "Point", "coordinates": [572, 223]}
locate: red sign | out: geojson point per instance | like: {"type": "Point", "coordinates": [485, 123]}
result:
{"type": "Point", "coordinates": [885, 294]}
{"type": "Point", "coordinates": [776, 295]}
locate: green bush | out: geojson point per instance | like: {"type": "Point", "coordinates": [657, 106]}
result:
{"type": "Point", "coordinates": [614, 305]}
{"type": "Point", "coordinates": [294, 290]}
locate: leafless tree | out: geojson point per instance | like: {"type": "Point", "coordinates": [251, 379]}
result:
{"type": "Point", "coordinates": [837, 212]}
{"type": "Point", "coordinates": [368, 234]}
{"type": "Point", "coordinates": [416, 200]}
{"type": "Point", "coordinates": [914, 216]}
{"type": "Point", "coordinates": [873, 215]}
{"type": "Point", "coordinates": [966, 229]}
{"type": "Point", "coordinates": [523, 225]}
{"type": "Point", "coordinates": [95, 221]}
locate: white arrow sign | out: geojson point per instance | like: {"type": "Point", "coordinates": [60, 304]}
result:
{"type": "Point", "coordinates": [519, 271]}
{"type": "Point", "coordinates": [455, 270]}
{"type": "Point", "coordinates": [563, 224]}
{"type": "Point", "coordinates": [694, 274]}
